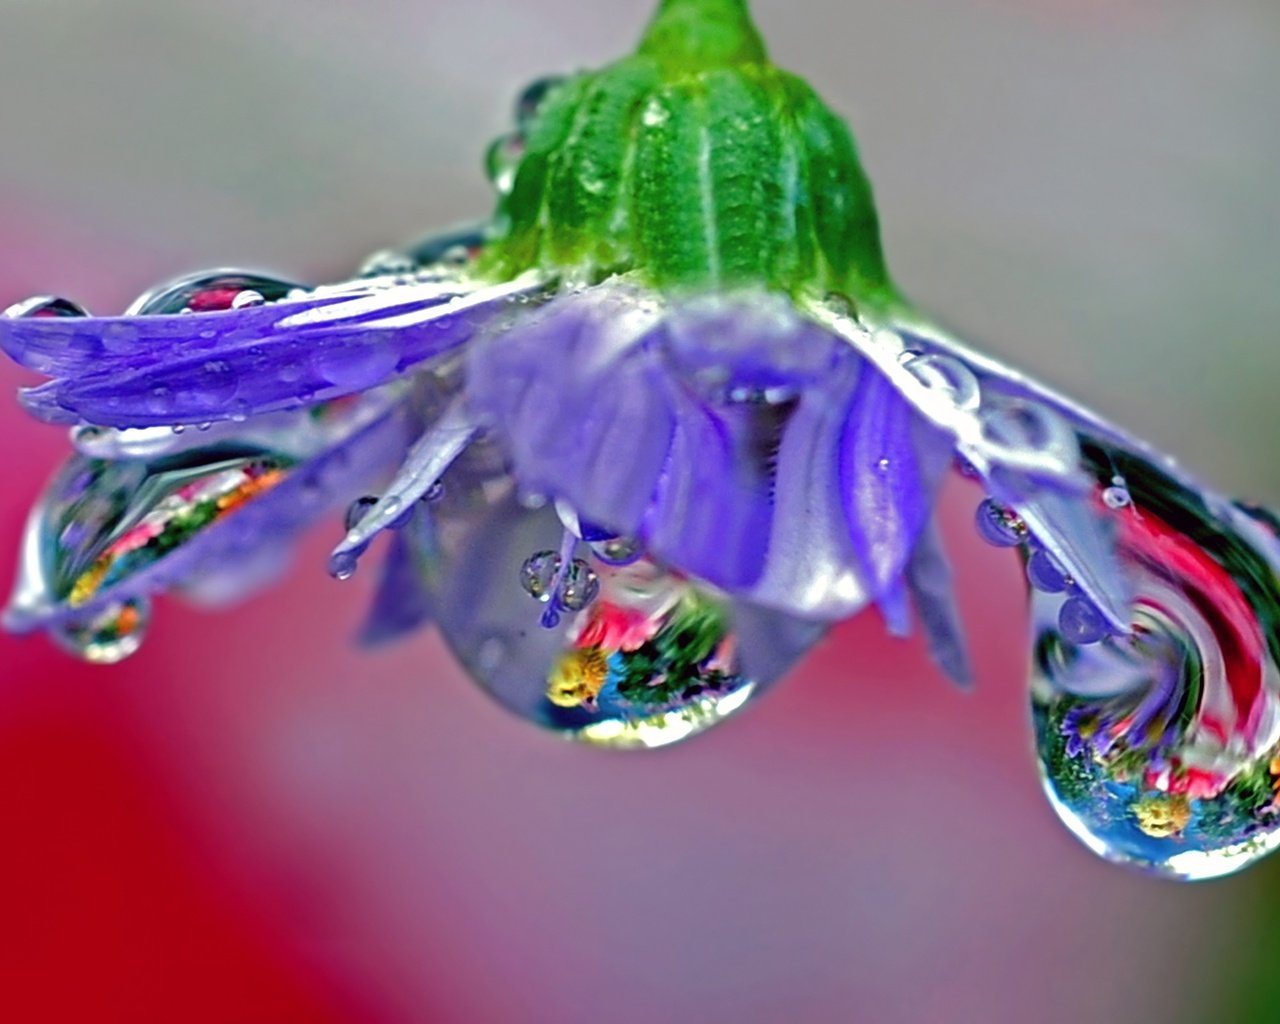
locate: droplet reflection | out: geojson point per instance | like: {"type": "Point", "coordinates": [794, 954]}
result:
{"type": "Point", "coordinates": [1161, 749]}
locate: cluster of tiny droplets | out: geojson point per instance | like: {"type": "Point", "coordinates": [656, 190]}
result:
{"type": "Point", "coordinates": [1078, 621]}
{"type": "Point", "coordinates": [562, 588]}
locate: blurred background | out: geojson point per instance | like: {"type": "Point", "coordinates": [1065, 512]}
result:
{"type": "Point", "coordinates": [252, 821]}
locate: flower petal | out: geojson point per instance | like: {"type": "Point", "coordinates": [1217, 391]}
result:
{"type": "Point", "coordinates": [110, 531]}
{"type": "Point", "coordinates": [201, 367]}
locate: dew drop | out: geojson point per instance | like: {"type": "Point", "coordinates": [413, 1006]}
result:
{"type": "Point", "coordinates": [538, 573]}
{"type": "Point", "coordinates": [998, 525]}
{"type": "Point", "coordinates": [1080, 623]}
{"type": "Point", "coordinates": [1116, 497]}
{"type": "Point", "coordinates": [357, 510]}
{"type": "Point", "coordinates": [1044, 573]}
{"type": "Point", "coordinates": [108, 636]}
{"type": "Point", "coordinates": [1160, 748]}
{"type": "Point", "coordinates": [342, 565]}
{"type": "Point", "coordinates": [579, 587]}
{"type": "Point", "coordinates": [617, 550]}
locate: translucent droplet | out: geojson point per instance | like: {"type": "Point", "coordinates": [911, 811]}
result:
{"type": "Point", "coordinates": [342, 564]}
{"type": "Point", "coordinates": [385, 263]}
{"type": "Point", "coordinates": [538, 574]}
{"type": "Point", "coordinates": [1115, 497]}
{"type": "Point", "coordinates": [532, 97]}
{"type": "Point", "coordinates": [107, 636]}
{"type": "Point", "coordinates": [45, 305]}
{"type": "Point", "coordinates": [998, 525]}
{"type": "Point", "coordinates": [503, 160]}
{"type": "Point", "coordinates": [1079, 622]}
{"type": "Point", "coordinates": [1160, 748]}
{"type": "Point", "coordinates": [1044, 572]}
{"type": "Point", "coordinates": [617, 550]}
{"type": "Point", "coordinates": [579, 587]}
{"type": "Point", "coordinates": [357, 510]}
{"type": "Point", "coordinates": [210, 291]}
{"type": "Point", "coordinates": [627, 656]}
{"type": "Point", "coordinates": [945, 373]}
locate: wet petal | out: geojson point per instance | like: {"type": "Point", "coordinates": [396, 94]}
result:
{"type": "Point", "coordinates": [139, 371]}
{"type": "Point", "coordinates": [1024, 451]}
{"type": "Point", "coordinates": [108, 532]}
{"type": "Point", "coordinates": [737, 439]}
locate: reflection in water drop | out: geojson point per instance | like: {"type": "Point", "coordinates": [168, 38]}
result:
{"type": "Point", "coordinates": [1161, 749]}
{"type": "Point", "coordinates": [110, 635]}
{"type": "Point", "coordinates": [634, 655]}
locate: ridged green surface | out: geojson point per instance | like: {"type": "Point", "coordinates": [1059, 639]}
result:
{"type": "Point", "coordinates": [697, 163]}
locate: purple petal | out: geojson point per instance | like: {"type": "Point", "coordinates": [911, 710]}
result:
{"type": "Point", "coordinates": [402, 602]}
{"type": "Point", "coordinates": [197, 367]}
{"type": "Point", "coordinates": [110, 531]}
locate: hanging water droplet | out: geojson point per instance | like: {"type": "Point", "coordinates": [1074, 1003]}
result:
{"type": "Point", "coordinates": [1116, 496]}
{"type": "Point", "coordinates": [538, 573]}
{"type": "Point", "coordinates": [648, 659]}
{"type": "Point", "coordinates": [998, 525]}
{"type": "Point", "coordinates": [617, 550]}
{"type": "Point", "coordinates": [532, 97]}
{"type": "Point", "coordinates": [1079, 622]}
{"type": "Point", "coordinates": [502, 160]}
{"type": "Point", "coordinates": [44, 305]}
{"type": "Point", "coordinates": [434, 493]}
{"type": "Point", "coordinates": [1160, 748]}
{"type": "Point", "coordinates": [579, 587]}
{"type": "Point", "coordinates": [342, 564]}
{"type": "Point", "coordinates": [1044, 572]}
{"type": "Point", "coordinates": [108, 636]}
{"type": "Point", "coordinates": [357, 510]}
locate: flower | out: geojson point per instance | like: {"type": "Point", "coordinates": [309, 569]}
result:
{"type": "Point", "coordinates": [670, 393]}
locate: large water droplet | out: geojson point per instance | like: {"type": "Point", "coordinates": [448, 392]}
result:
{"type": "Point", "coordinates": [1161, 748]}
{"type": "Point", "coordinates": [107, 636]}
{"type": "Point", "coordinates": [210, 291]}
{"type": "Point", "coordinates": [634, 656]}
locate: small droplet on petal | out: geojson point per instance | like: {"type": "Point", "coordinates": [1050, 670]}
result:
{"type": "Point", "coordinates": [44, 305]}
{"type": "Point", "coordinates": [1080, 623]}
{"type": "Point", "coordinates": [579, 587]}
{"type": "Point", "coordinates": [357, 510]}
{"type": "Point", "coordinates": [538, 573]}
{"type": "Point", "coordinates": [1116, 497]}
{"type": "Point", "coordinates": [1044, 573]}
{"type": "Point", "coordinates": [342, 565]}
{"type": "Point", "coordinates": [247, 298]}
{"type": "Point", "coordinates": [532, 97]}
{"type": "Point", "coordinates": [947, 374]}
{"type": "Point", "coordinates": [108, 636]}
{"type": "Point", "coordinates": [385, 263]}
{"type": "Point", "coordinates": [617, 550]}
{"type": "Point", "coordinates": [434, 493]}
{"type": "Point", "coordinates": [998, 525]}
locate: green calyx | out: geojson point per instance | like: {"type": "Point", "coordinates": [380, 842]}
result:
{"type": "Point", "coordinates": [695, 163]}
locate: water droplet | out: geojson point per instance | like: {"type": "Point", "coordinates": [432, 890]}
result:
{"type": "Point", "coordinates": [342, 565]}
{"type": "Point", "coordinates": [1044, 573]}
{"type": "Point", "coordinates": [160, 401]}
{"type": "Point", "coordinates": [386, 263]}
{"type": "Point", "coordinates": [391, 508]}
{"type": "Point", "coordinates": [617, 550]}
{"type": "Point", "coordinates": [1160, 748]}
{"type": "Point", "coordinates": [579, 587]}
{"type": "Point", "coordinates": [44, 305]}
{"type": "Point", "coordinates": [945, 373]}
{"type": "Point", "coordinates": [434, 493]}
{"type": "Point", "coordinates": [108, 636]}
{"type": "Point", "coordinates": [502, 160]}
{"type": "Point", "coordinates": [650, 660]}
{"type": "Point", "coordinates": [209, 292]}
{"type": "Point", "coordinates": [1080, 623]}
{"type": "Point", "coordinates": [538, 573]}
{"type": "Point", "coordinates": [239, 410]}
{"type": "Point", "coordinates": [532, 97]}
{"type": "Point", "coordinates": [357, 510]}
{"type": "Point", "coordinates": [1116, 497]}
{"type": "Point", "coordinates": [998, 525]}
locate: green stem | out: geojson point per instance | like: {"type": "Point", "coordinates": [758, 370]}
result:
{"type": "Point", "coordinates": [701, 34]}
